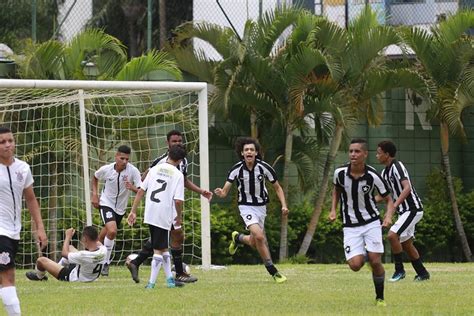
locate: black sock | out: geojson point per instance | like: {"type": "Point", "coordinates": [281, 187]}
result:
{"type": "Point", "coordinates": [379, 285]}
{"type": "Point", "coordinates": [270, 267]}
{"type": "Point", "coordinates": [238, 239]}
{"type": "Point", "coordinates": [177, 260]}
{"type": "Point", "coordinates": [145, 253]}
{"type": "Point", "coordinates": [419, 267]}
{"type": "Point", "coordinates": [397, 257]}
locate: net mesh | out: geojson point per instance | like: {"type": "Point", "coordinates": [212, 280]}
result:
{"type": "Point", "coordinates": [46, 124]}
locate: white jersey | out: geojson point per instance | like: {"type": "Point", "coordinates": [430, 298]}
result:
{"type": "Point", "coordinates": [114, 193]}
{"type": "Point", "coordinates": [13, 180]}
{"type": "Point", "coordinates": [88, 264]}
{"type": "Point", "coordinates": [163, 184]}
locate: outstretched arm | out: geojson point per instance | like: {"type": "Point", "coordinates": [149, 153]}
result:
{"type": "Point", "coordinates": [281, 197]}
{"type": "Point", "coordinates": [188, 184]}
{"type": "Point", "coordinates": [222, 192]}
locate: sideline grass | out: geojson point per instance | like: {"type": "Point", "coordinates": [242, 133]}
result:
{"type": "Point", "coordinates": [248, 290]}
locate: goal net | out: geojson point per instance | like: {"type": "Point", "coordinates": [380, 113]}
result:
{"type": "Point", "coordinates": [65, 130]}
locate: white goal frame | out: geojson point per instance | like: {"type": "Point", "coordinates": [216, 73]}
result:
{"type": "Point", "coordinates": [199, 87]}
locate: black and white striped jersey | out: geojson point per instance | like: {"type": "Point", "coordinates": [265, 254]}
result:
{"type": "Point", "coordinates": [183, 165]}
{"type": "Point", "coordinates": [357, 198]}
{"type": "Point", "coordinates": [394, 174]}
{"type": "Point", "coordinates": [251, 183]}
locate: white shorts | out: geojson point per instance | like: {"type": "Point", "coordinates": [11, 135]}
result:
{"type": "Point", "coordinates": [253, 215]}
{"type": "Point", "coordinates": [358, 240]}
{"type": "Point", "coordinates": [405, 225]}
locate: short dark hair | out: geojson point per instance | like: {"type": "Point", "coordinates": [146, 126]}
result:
{"type": "Point", "coordinates": [91, 233]}
{"type": "Point", "coordinates": [361, 141]}
{"type": "Point", "coordinates": [4, 130]}
{"type": "Point", "coordinates": [177, 152]}
{"type": "Point", "coordinates": [173, 132]}
{"type": "Point", "coordinates": [124, 149]}
{"type": "Point", "coordinates": [242, 141]}
{"type": "Point", "coordinates": [388, 147]}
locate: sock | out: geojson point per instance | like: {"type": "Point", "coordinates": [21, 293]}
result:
{"type": "Point", "coordinates": [397, 257]}
{"type": "Point", "coordinates": [11, 301]}
{"type": "Point", "coordinates": [146, 252]}
{"type": "Point", "coordinates": [178, 260]}
{"type": "Point", "coordinates": [270, 267]}
{"type": "Point", "coordinates": [240, 238]}
{"type": "Point", "coordinates": [40, 273]}
{"type": "Point", "coordinates": [109, 244]}
{"type": "Point", "coordinates": [156, 264]}
{"type": "Point", "coordinates": [167, 264]}
{"type": "Point", "coordinates": [419, 267]}
{"type": "Point", "coordinates": [379, 285]}
{"type": "Point", "coordinates": [63, 262]}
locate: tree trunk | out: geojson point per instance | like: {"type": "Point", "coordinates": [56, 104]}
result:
{"type": "Point", "coordinates": [286, 174]}
{"type": "Point", "coordinates": [53, 212]}
{"type": "Point", "coordinates": [335, 143]}
{"type": "Point", "coordinates": [162, 14]}
{"type": "Point", "coordinates": [444, 131]}
{"type": "Point", "coordinates": [253, 124]}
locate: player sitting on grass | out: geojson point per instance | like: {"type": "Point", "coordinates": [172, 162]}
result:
{"type": "Point", "coordinates": [250, 174]}
{"type": "Point", "coordinates": [76, 266]}
{"type": "Point", "coordinates": [164, 187]}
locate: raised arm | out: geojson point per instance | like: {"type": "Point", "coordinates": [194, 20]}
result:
{"type": "Point", "coordinates": [67, 240]}
{"type": "Point", "coordinates": [281, 197]}
{"type": "Point", "coordinates": [222, 192]}
{"type": "Point", "coordinates": [34, 209]}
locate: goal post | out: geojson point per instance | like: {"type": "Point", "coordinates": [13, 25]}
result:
{"type": "Point", "coordinates": [66, 130]}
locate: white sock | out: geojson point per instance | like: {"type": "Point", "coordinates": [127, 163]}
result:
{"type": "Point", "coordinates": [63, 261]}
{"type": "Point", "coordinates": [40, 273]}
{"type": "Point", "coordinates": [167, 264]}
{"type": "Point", "coordinates": [11, 301]}
{"type": "Point", "coordinates": [155, 267]}
{"type": "Point", "coordinates": [109, 244]}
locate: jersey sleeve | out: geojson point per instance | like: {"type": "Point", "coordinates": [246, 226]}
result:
{"type": "Point", "coordinates": [85, 257]}
{"type": "Point", "coordinates": [29, 178]}
{"type": "Point", "coordinates": [381, 185]}
{"type": "Point", "coordinates": [185, 167]}
{"type": "Point", "coordinates": [137, 178]}
{"type": "Point", "coordinates": [179, 190]}
{"type": "Point", "coordinates": [402, 173]}
{"type": "Point", "coordinates": [269, 173]}
{"type": "Point", "coordinates": [100, 173]}
{"type": "Point", "coordinates": [233, 173]}
{"type": "Point", "coordinates": [144, 184]}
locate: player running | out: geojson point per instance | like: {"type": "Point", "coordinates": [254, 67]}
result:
{"type": "Point", "coordinates": [250, 174]}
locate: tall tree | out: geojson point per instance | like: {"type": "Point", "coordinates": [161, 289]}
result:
{"type": "Point", "coordinates": [445, 59]}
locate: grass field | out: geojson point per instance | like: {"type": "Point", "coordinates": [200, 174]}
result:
{"type": "Point", "coordinates": [248, 290]}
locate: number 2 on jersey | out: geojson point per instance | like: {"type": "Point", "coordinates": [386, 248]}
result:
{"type": "Point", "coordinates": [157, 191]}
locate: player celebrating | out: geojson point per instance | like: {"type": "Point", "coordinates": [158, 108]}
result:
{"type": "Point", "coordinates": [173, 137]}
{"type": "Point", "coordinates": [15, 181]}
{"type": "Point", "coordinates": [250, 174]}
{"type": "Point", "coordinates": [410, 212]}
{"type": "Point", "coordinates": [76, 266]}
{"type": "Point", "coordinates": [354, 186]}
{"type": "Point", "coordinates": [164, 186]}
{"type": "Point", "coordinates": [120, 178]}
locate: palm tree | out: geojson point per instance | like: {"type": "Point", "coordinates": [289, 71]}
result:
{"type": "Point", "coordinates": [445, 59]}
{"type": "Point", "coordinates": [351, 83]}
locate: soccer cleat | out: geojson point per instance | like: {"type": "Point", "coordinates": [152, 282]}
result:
{"type": "Point", "coordinates": [185, 278]}
{"type": "Point", "coordinates": [420, 278]}
{"type": "Point", "coordinates": [31, 275]}
{"type": "Point", "coordinates": [170, 283]}
{"type": "Point", "coordinates": [105, 270]}
{"type": "Point", "coordinates": [397, 276]}
{"type": "Point", "coordinates": [279, 278]}
{"type": "Point", "coordinates": [150, 286]}
{"type": "Point", "coordinates": [133, 271]}
{"type": "Point", "coordinates": [233, 244]}
{"type": "Point", "coordinates": [380, 302]}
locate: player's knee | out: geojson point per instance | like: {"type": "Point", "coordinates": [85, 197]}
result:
{"type": "Point", "coordinates": [259, 238]}
{"type": "Point", "coordinates": [112, 233]}
{"type": "Point", "coordinates": [41, 261]}
{"type": "Point", "coordinates": [392, 237]}
{"type": "Point", "coordinates": [355, 265]}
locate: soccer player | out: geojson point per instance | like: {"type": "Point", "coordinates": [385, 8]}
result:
{"type": "Point", "coordinates": [164, 187]}
{"type": "Point", "coordinates": [75, 266]}
{"type": "Point", "coordinates": [250, 174]}
{"type": "Point", "coordinates": [16, 181]}
{"type": "Point", "coordinates": [409, 208]}
{"type": "Point", "coordinates": [354, 186]}
{"type": "Point", "coordinates": [120, 178]}
{"type": "Point", "coordinates": [173, 137]}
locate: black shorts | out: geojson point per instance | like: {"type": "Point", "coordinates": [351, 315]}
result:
{"type": "Point", "coordinates": [108, 214]}
{"type": "Point", "coordinates": [65, 272]}
{"type": "Point", "coordinates": [160, 238]}
{"type": "Point", "coordinates": [8, 250]}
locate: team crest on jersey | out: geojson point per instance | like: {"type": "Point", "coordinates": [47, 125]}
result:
{"type": "Point", "coordinates": [365, 188]}
{"type": "Point", "coordinates": [19, 176]}
{"type": "Point", "coordinates": [348, 249]}
{"type": "Point", "coordinates": [5, 258]}
{"type": "Point", "coordinates": [260, 177]}
{"type": "Point", "coordinates": [125, 178]}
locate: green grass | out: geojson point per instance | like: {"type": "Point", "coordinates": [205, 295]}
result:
{"type": "Point", "coordinates": [248, 290]}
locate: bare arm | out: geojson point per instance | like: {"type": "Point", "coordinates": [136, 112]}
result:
{"type": "Point", "coordinates": [95, 195]}
{"type": "Point", "coordinates": [281, 197]}
{"type": "Point", "coordinates": [144, 174]}
{"type": "Point", "coordinates": [188, 184]}
{"type": "Point", "coordinates": [336, 194]}
{"type": "Point", "coordinates": [387, 221]}
{"type": "Point", "coordinates": [67, 240]}
{"type": "Point", "coordinates": [130, 186]}
{"type": "Point", "coordinates": [404, 194]}
{"type": "Point", "coordinates": [132, 217]}
{"type": "Point", "coordinates": [34, 209]}
{"type": "Point", "coordinates": [222, 192]}
{"type": "Point", "coordinates": [179, 210]}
